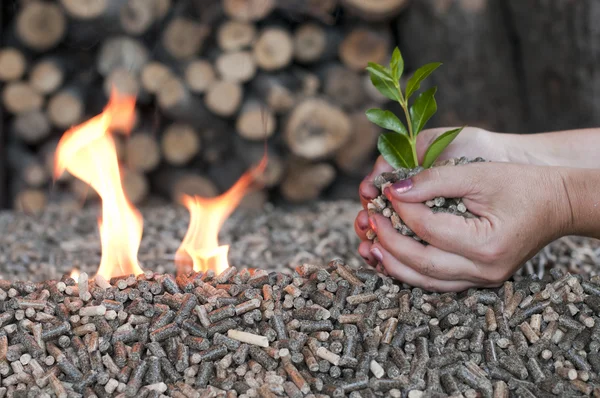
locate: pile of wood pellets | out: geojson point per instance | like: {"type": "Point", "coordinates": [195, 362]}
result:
{"type": "Point", "coordinates": [322, 331]}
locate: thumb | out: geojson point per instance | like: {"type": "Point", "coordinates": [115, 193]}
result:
{"type": "Point", "coordinates": [446, 181]}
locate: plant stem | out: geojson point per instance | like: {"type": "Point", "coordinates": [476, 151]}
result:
{"type": "Point", "coordinates": [413, 139]}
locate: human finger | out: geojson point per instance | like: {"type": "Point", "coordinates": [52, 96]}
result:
{"type": "Point", "coordinates": [444, 181]}
{"type": "Point", "coordinates": [368, 191]}
{"type": "Point", "coordinates": [448, 232]}
{"type": "Point", "coordinates": [427, 260]}
{"type": "Point", "coordinates": [408, 275]}
{"type": "Point", "coordinates": [361, 224]}
{"type": "Point", "coordinates": [364, 249]}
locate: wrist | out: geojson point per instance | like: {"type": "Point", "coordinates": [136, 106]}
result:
{"type": "Point", "coordinates": [523, 149]}
{"type": "Point", "coordinates": [581, 214]}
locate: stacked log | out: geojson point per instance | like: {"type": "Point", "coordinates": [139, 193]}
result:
{"type": "Point", "coordinates": [213, 80]}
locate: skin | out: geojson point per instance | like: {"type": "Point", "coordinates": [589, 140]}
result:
{"type": "Point", "coordinates": [536, 189]}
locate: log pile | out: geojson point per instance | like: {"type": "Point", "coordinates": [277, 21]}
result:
{"type": "Point", "coordinates": [213, 79]}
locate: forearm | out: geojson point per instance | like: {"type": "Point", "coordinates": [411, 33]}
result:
{"type": "Point", "coordinates": [582, 192]}
{"type": "Point", "coordinates": [571, 148]}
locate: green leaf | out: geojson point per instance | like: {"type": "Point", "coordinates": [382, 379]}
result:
{"type": "Point", "coordinates": [396, 150]}
{"type": "Point", "coordinates": [423, 109]}
{"type": "Point", "coordinates": [386, 120]}
{"type": "Point", "coordinates": [397, 64]}
{"type": "Point", "coordinates": [438, 146]}
{"type": "Point", "coordinates": [378, 70]}
{"type": "Point", "coordinates": [385, 87]}
{"type": "Point", "coordinates": [414, 83]}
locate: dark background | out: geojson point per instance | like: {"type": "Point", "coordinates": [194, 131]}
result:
{"type": "Point", "coordinates": [519, 66]}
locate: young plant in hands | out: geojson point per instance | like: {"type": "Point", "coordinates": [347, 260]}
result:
{"type": "Point", "coordinates": [398, 146]}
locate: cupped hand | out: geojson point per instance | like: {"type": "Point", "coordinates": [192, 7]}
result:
{"type": "Point", "coordinates": [519, 209]}
{"type": "Point", "coordinates": [471, 142]}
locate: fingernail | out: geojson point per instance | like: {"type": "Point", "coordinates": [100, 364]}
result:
{"type": "Point", "coordinates": [402, 185]}
{"type": "Point", "coordinates": [377, 254]}
{"type": "Point", "coordinates": [373, 224]}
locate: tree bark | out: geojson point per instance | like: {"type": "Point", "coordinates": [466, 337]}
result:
{"type": "Point", "coordinates": [477, 82]}
{"type": "Point", "coordinates": [557, 42]}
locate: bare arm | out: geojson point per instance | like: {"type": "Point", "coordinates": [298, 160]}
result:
{"type": "Point", "coordinates": [570, 148]}
{"type": "Point", "coordinates": [582, 187]}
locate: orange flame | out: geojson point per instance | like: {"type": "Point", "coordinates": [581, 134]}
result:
{"type": "Point", "coordinates": [88, 152]}
{"type": "Point", "coordinates": [200, 246]}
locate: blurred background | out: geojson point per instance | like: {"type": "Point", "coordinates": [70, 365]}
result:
{"type": "Point", "coordinates": [214, 79]}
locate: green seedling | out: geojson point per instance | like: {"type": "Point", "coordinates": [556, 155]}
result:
{"type": "Point", "coordinates": [398, 146]}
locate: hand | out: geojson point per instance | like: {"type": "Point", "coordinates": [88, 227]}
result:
{"type": "Point", "coordinates": [520, 209]}
{"type": "Point", "coordinates": [471, 142]}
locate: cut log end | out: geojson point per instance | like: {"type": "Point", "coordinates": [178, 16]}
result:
{"type": "Point", "coordinates": [46, 77]}
{"type": "Point", "coordinates": [122, 51]}
{"type": "Point", "coordinates": [273, 49]}
{"type": "Point", "coordinates": [136, 16]}
{"type": "Point", "coordinates": [32, 127]}
{"type": "Point", "coordinates": [305, 181]}
{"type": "Point", "coordinates": [256, 121]}
{"type": "Point", "coordinates": [199, 75]}
{"type": "Point", "coordinates": [41, 25]}
{"type": "Point", "coordinates": [223, 98]}
{"type": "Point", "coordinates": [31, 201]}
{"type": "Point", "coordinates": [380, 10]}
{"type": "Point", "coordinates": [85, 9]}
{"type": "Point", "coordinates": [354, 158]}
{"type": "Point", "coordinates": [172, 92]}
{"type": "Point", "coordinates": [238, 66]}
{"type": "Point", "coordinates": [142, 152]}
{"type": "Point", "coordinates": [235, 35]}
{"type": "Point", "coordinates": [344, 87]}
{"type": "Point", "coordinates": [12, 64]}
{"type": "Point", "coordinates": [362, 46]}
{"type": "Point", "coordinates": [19, 97]}
{"type": "Point", "coordinates": [316, 129]}
{"type": "Point", "coordinates": [248, 10]}
{"type": "Point", "coordinates": [135, 186]}
{"type": "Point", "coordinates": [180, 143]}
{"type": "Point", "coordinates": [153, 75]}
{"type": "Point", "coordinates": [310, 42]}
{"type": "Point", "coordinates": [123, 81]}
{"type": "Point", "coordinates": [65, 109]}
{"type": "Point", "coordinates": [192, 185]}
{"type": "Point", "coordinates": [183, 37]}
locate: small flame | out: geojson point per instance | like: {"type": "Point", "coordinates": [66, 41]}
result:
{"type": "Point", "coordinates": [200, 246]}
{"type": "Point", "coordinates": [74, 274]}
{"type": "Point", "coordinates": [88, 152]}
